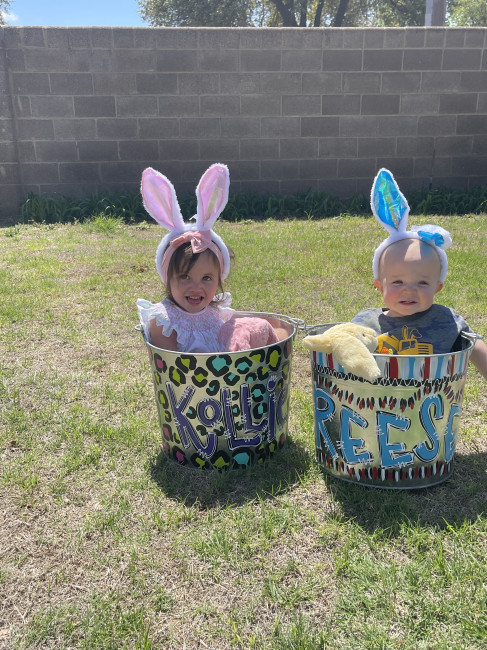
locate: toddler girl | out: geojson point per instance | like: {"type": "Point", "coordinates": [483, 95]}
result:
{"type": "Point", "coordinates": [192, 261]}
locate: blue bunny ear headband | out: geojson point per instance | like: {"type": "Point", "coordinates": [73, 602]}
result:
{"type": "Point", "coordinates": [391, 210]}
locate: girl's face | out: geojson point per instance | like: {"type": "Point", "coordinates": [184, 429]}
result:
{"type": "Point", "coordinates": [196, 288]}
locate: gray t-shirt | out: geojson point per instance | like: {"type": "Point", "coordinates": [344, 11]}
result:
{"type": "Point", "coordinates": [434, 331]}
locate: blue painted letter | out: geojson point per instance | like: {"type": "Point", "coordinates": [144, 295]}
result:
{"type": "Point", "coordinates": [349, 444]}
{"type": "Point", "coordinates": [392, 455]}
{"type": "Point", "coordinates": [422, 450]}
{"type": "Point", "coordinates": [324, 410]}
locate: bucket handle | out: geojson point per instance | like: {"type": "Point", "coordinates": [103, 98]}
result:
{"type": "Point", "coordinates": [471, 336]}
{"type": "Point", "coordinates": [298, 323]}
{"type": "Point", "coordinates": [308, 328]}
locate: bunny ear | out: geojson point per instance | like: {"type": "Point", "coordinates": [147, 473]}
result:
{"type": "Point", "coordinates": [388, 204]}
{"type": "Point", "coordinates": [212, 195]}
{"type": "Point", "coordinates": [160, 200]}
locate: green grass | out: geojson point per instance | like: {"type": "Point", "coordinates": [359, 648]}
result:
{"type": "Point", "coordinates": [104, 543]}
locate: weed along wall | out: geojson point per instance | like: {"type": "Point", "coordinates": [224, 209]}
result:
{"type": "Point", "coordinates": [87, 109]}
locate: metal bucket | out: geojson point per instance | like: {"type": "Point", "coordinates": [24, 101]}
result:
{"type": "Point", "coordinates": [398, 432]}
{"type": "Point", "coordinates": [226, 410]}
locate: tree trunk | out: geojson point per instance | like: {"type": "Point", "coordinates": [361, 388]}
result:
{"type": "Point", "coordinates": [319, 11]}
{"type": "Point", "coordinates": [340, 15]}
{"type": "Point", "coordinates": [288, 19]}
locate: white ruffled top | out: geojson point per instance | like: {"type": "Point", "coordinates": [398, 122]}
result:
{"type": "Point", "coordinates": [195, 332]}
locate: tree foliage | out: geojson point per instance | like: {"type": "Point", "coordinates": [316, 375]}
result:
{"type": "Point", "coordinates": [400, 13]}
{"type": "Point", "coordinates": [472, 13]}
{"type": "Point", "coordinates": [197, 13]}
{"type": "Point", "coordinates": [4, 7]}
{"type": "Point", "coordinates": [304, 13]}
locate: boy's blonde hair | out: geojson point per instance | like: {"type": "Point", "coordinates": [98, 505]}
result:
{"type": "Point", "coordinates": [426, 251]}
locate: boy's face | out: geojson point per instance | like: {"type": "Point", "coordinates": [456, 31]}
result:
{"type": "Point", "coordinates": [409, 273]}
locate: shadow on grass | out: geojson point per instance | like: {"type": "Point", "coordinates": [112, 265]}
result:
{"type": "Point", "coordinates": [461, 498]}
{"type": "Point", "coordinates": [208, 489]}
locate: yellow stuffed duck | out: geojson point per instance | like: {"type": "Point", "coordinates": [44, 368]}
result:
{"type": "Point", "coordinates": [352, 345]}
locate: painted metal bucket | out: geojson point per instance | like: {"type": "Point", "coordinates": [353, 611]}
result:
{"type": "Point", "coordinates": [398, 432]}
{"type": "Point", "coordinates": [226, 410]}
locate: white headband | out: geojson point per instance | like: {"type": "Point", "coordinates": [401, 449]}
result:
{"type": "Point", "coordinates": [160, 201]}
{"type": "Point", "coordinates": [391, 210]}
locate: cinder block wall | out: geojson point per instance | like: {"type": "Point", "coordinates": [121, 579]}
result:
{"type": "Point", "coordinates": [86, 109]}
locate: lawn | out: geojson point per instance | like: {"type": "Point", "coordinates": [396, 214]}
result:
{"type": "Point", "coordinates": [107, 544]}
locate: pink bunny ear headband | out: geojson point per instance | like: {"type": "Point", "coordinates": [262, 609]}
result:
{"type": "Point", "coordinates": [160, 201]}
{"type": "Point", "coordinates": [391, 210]}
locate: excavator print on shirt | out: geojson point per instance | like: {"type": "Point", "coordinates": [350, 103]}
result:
{"type": "Point", "coordinates": [407, 344]}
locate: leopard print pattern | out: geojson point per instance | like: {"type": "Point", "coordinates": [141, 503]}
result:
{"type": "Point", "coordinates": [222, 411]}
